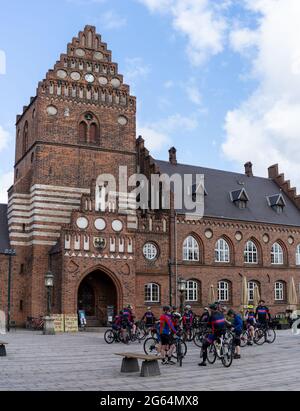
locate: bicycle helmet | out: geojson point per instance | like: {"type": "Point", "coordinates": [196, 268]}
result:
{"type": "Point", "coordinates": [231, 312]}
{"type": "Point", "coordinates": [250, 307]}
{"type": "Point", "coordinates": [166, 308]}
{"type": "Point", "coordinates": [188, 307]}
{"type": "Point", "coordinates": [213, 306]}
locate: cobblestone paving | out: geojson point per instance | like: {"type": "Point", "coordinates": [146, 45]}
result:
{"type": "Point", "coordinates": [83, 361]}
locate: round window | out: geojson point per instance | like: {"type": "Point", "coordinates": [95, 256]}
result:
{"type": "Point", "coordinates": [150, 251]}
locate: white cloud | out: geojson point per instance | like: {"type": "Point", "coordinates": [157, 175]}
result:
{"type": "Point", "coordinates": [158, 135]}
{"type": "Point", "coordinates": [193, 92]}
{"type": "Point", "coordinates": [111, 20]}
{"type": "Point", "coordinates": [266, 127]}
{"type": "Point", "coordinates": [202, 22]}
{"type": "Point", "coordinates": [4, 135]}
{"type": "Point", "coordinates": [135, 69]}
{"type": "Point", "coordinates": [6, 180]}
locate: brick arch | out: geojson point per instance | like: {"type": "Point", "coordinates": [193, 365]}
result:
{"type": "Point", "coordinates": [231, 247]}
{"type": "Point", "coordinates": [109, 274]}
{"type": "Point", "coordinates": [284, 250]}
{"type": "Point", "coordinates": [200, 244]}
{"type": "Point", "coordinates": [258, 247]}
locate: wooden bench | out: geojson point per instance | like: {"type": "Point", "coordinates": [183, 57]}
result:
{"type": "Point", "coordinates": [150, 366]}
{"type": "Point", "coordinates": [3, 349]}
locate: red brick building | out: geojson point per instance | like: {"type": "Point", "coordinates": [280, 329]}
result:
{"type": "Point", "coordinates": [82, 124]}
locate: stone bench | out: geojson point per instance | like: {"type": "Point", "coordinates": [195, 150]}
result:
{"type": "Point", "coordinates": [150, 366]}
{"type": "Point", "coordinates": [3, 349]}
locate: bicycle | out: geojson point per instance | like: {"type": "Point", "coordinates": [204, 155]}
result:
{"type": "Point", "coordinates": [181, 349]}
{"type": "Point", "coordinates": [152, 346]}
{"type": "Point", "coordinates": [35, 323]}
{"type": "Point", "coordinates": [264, 333]}
{"type": "Point", "coordinates": [221, 349]}
{"type": "Point", "coordinates": [112, 336]}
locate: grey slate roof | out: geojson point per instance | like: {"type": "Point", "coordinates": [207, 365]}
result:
{"type": "Point", "coordinates": [219, 184]}
{"type": "Point", "coordinates": [4, 238]}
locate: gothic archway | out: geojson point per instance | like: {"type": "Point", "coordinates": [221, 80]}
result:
{"type": "Point", "coordinates": [98, 296]}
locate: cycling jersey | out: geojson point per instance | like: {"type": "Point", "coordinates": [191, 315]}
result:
{"type": "Point", "coordinates": [204, 317]}
{"type": "Point", "coordinates": [217, 322]}
{"type": "Point", "coordinates": [187, 318]}
{"type": "Point", "coordinates": [250, 317]}
{"type": "Point", "coordinates": [166, 325]}
{"type": "Point", "coordinates": [237, 324]}
{"type": "Point", "coordinates": [262, 313]}
{"type": "Point", "coordinates": [117, 322]}
{"type": "Point", "coordinates": [149, 318]}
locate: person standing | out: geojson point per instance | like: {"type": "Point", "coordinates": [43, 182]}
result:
{"type": "Point", "coordinates": [166, 330]}
{"type": "Point", "coordinates": [237, 325]}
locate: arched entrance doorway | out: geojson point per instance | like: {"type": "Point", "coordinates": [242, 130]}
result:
{"type": "Point", "coordinates": [98, 297]}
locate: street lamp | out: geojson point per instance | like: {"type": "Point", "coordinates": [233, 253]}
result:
{"type": "Point", "coordinates": [182, 289]}
{"type": "Point", "coordinates": [48, 320]}
{"type": "Point", "coordinates": [10, 253]}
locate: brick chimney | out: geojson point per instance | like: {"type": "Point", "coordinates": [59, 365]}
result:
{"type": "Point", "coordinates": [248, 169]}
{"type": "Point", "coordinates": [172, 156]}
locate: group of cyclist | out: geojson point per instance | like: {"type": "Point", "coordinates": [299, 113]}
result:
{"type": "Point", "coordinates": [216, 317]}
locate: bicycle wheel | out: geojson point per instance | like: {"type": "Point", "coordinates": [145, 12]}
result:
{"type": "Point", "coordinates": [244, 339]}
{"type": "Point", "coordinates": [270, 335]}
{"type": "Point", "coordinates": [189, 335]}
{"type": "Point", "coordinates": [183, 349]}
{"type": "Point", "coordinates": [226, 354]}
{"type": "Point", "coordinates": [150, 346]}
{"type": "Point", "coordinates": [198, 339]}
{"type": "Point", "coordinates": [259, 337]}
{"type": "Point", "coordinates": [109, 337]}
{"type": "Point", "coordinates": [211, 354]}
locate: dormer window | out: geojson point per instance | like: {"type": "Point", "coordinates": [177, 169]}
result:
{"type": "Point", "coordinates": [239, 198]}
{"type": "Point", "coordinates": [277, 203]}
{"type": "Point", "coordinates": [197, 190]}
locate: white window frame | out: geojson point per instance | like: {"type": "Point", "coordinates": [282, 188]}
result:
{"type": "Point", "coordinates": [223, 291]}
{"type": "Point", "coordinates": [191, 251]}
{"type": "Point", "coordinates": [250, 253]}
{"type": "Point", "coordinates": [191, 294]}
{"type": "Point", "coordinates": [298, 255]}
{"type": "Point", "coordinates": [251, 288]}
{"type": "Point", "coordinates": [150, 251]}
{"type": "Point", "coordinates": [152, 293]}
{"type": "Point", "coordinates": [279, 291]}
{"type": "Point", "coordinates": [222, 251]}
{"type": "Point", "coordinates": [277, 254]}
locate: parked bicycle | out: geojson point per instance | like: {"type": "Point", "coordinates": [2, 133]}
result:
{"type": "Point", "coordinates": [35, 323]}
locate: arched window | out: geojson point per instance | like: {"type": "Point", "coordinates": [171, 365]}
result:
{"type": "Point", "coordinates": [250, 253]}
{"type": "Point", "coordinates": [298, 255]}
{"type": "Point", "coordinates": [222, 251]}
{"type": "Point", "coordinates": [279, 291]}
{"type": "Point", "coordinates": [93, 133]}
{"type": "Point", "coordinates": [251, 288]}
{"type": "Point", "coordinates": [192, 291]}
{"type": "Point", "coordinates": [223, 291]}
{"type": "Point", "coordinates": [25, 138]}
{"type": "Point", "coordinates": [152, 293]}
{"type": "Point", "coordinates": [190, 249]}
{"type": "Point", "coordinates": [89, 130]}
{"type": "Point", "coordinates": [276, 254]}
{"type": "Point", "coordinates": [83, 132]}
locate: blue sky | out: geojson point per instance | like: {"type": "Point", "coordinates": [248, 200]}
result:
{"type": "Point", "coordinates": [207, 74]}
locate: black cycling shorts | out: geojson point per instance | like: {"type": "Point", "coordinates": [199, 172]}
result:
{"type": "Point", "coordinates": [165, 339]}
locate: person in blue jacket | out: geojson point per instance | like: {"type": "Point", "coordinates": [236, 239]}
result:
{"type": "Point", "coordinates": [237, 325]}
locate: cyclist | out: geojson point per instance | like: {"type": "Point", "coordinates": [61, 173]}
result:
{"type": "Point", "coordinates": [250, 322]}
{"type": "Point", "coordinates": [205, 316]}
{"type": "Point", "coordinates": [237, 325]}
{"type": "Point", "coordinates": [166, 330]}
{"type": "Point", "coordinates": [149, 319]}
{"type": "Point", "coordinates": [117, 322]}
{"type": "Point", "coordinates": [176, 319]}
{"type": "Point", "coordinates": [262, 314]}
{"type": "Point", "coordinates": [218, 324]}
{"type": "Point", "coordinates": [187, 318]}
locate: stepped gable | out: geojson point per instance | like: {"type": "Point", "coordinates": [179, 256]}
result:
{"type": "Point", "coordinates": [86, 73]}
{"type": "Point", "coordinates": [284, 185]}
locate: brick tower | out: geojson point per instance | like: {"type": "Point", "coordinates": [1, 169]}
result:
{"type": "Point", "coordinates": [80, 124]}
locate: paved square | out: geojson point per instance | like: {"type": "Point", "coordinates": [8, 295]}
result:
{"type": "Point", "coordinates": [84, 361]}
